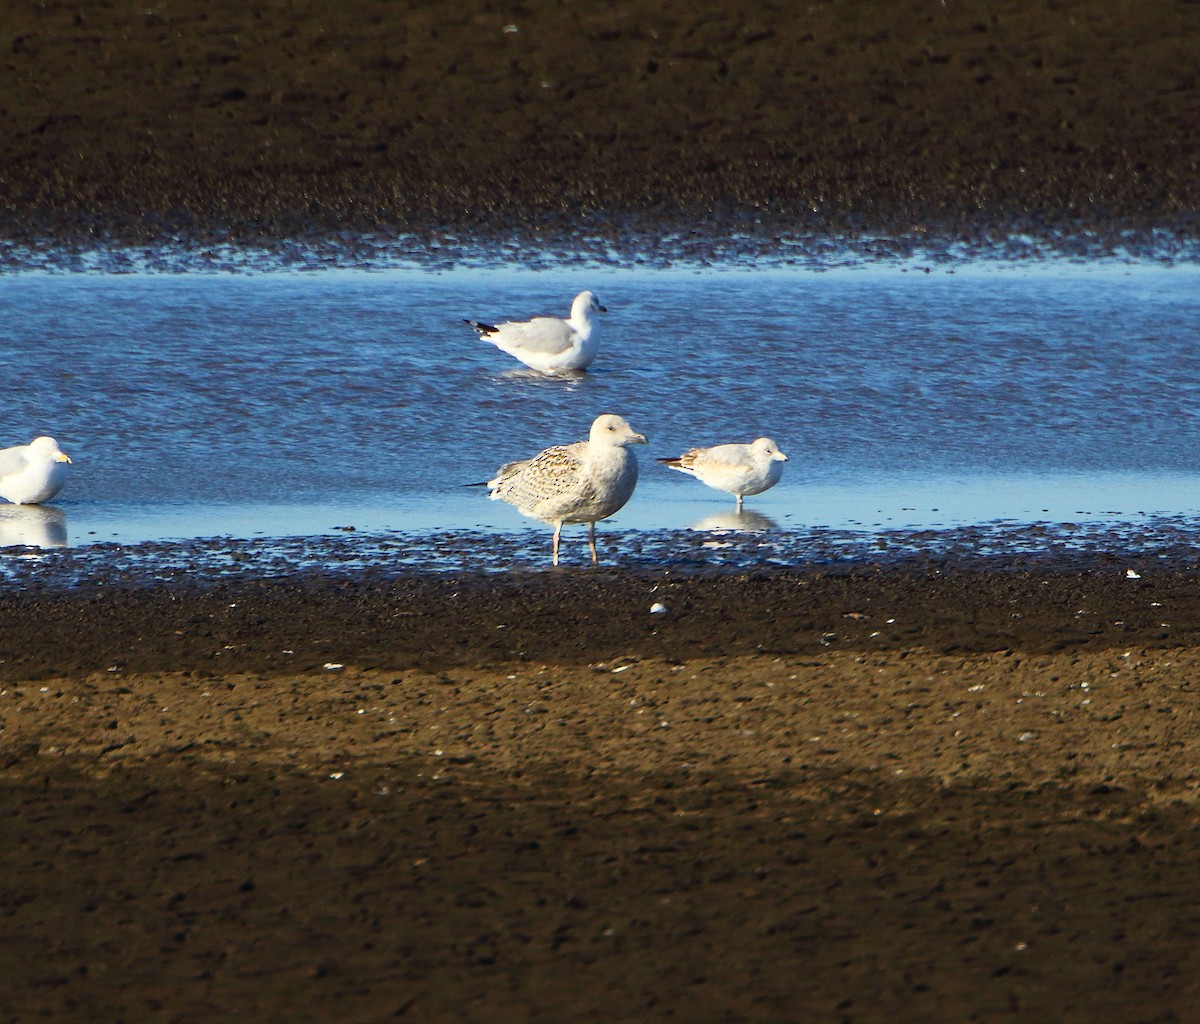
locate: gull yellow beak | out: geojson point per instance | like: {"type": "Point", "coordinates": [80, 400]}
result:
{"type": "Point", "coordinates": [62, 457]}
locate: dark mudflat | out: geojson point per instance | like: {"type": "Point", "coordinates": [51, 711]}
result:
{"type": "Point", "coordinates": [289, 119]}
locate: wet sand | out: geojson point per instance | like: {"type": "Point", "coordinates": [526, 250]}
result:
{"type": "Point", "coordinates": [903, 793]}
{"type": "Point", "coordinates": [887, 793]}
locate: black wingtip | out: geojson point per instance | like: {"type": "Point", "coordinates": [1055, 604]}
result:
{"type": "Point", "coordinates": [481, 327]}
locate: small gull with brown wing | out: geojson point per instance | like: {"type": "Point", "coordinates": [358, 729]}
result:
{"type": "Point", "coordinates": [738, 469]}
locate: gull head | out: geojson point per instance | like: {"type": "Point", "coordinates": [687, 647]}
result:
{"type": "Point", "coordinates": [765, 446]}
{"type": "Point", "coordinates": [585, 305]}
{"type": "Point", "coordinates": [613, 431]}
{"type": "Point", "coordinates": [48, 448]}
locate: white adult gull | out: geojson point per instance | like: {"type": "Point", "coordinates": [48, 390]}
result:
{"type": "Point", "coordinates": [739, 469]}
{"type": "Point", "coordinates": [574, 483]}
{"type": "Point", "coordinates": [547, 343]}
{"type": "Point", "coordinates": [32, 473]}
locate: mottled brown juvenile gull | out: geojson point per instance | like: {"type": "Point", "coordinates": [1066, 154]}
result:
{"type": "Point", "coordinates": [547, 343]}
{"type": "Point", "coordinates": [574, 483]}
{"type": "Point", "coordinates": [32, 473]}
{"type": "Point", "coordinates": [738, 469]}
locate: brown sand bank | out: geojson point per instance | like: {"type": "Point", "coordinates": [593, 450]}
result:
{"type": "Point", "coordinates": [867, 796]}
{"type": "Point", "coordinates": [283, 117]}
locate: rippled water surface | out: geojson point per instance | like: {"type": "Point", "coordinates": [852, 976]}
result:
{"type": "Point", "coordinates": [303, 403]}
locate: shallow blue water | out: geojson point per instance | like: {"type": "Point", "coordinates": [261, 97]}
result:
{"type": "Point", "coordinates": [295, 403]}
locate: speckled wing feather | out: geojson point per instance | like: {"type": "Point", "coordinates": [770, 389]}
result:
{"type": "Point", "coordinates": [688, 459]}
{"type": "Point", "coordinates": [553, 473]}
{"type": "Point", "coordinates": [507, 470]}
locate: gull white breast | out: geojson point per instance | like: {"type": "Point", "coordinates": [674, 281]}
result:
{"type": "Point", "coordinates": [582, 482]}
{"type": "Point", "coordinates": [32, 473]}
{"type": "Point", "coordinates": [738, 469]}
{"type": "Point", "coordinates": [547, 343]}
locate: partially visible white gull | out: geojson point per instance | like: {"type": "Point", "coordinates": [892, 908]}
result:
{"type": "Point", "coordinates": [32, 473]}
{"type": "Point", "coordinates": [574, 483]}
{"type": "Point", "coordinates": [739, 469]}
{"type": "Point", "coordinates": [547, 343]}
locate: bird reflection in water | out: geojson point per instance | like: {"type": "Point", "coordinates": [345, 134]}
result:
{"type": "Point", "coordinates": [37, 526]}
{"type": "Point", "coordinates": [746, 521]}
